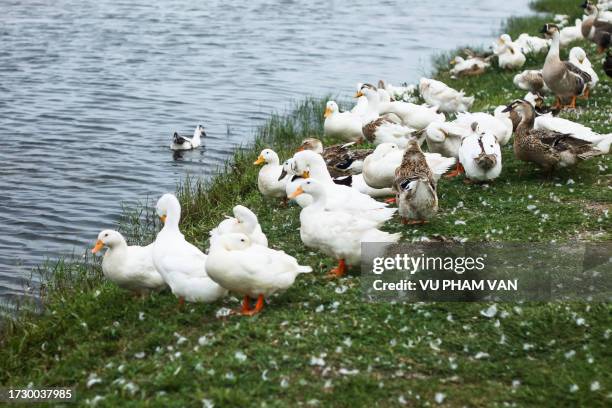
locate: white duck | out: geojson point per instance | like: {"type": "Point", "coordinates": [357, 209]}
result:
{"type": "Point", "coordinates": [445, 138]}
{"type": "Point", "coordinates": [531, 80]}
{"type": "Point", "coordinates": [185, 143]}
{"type": "Point", "coordinates": [181, 264]}
{"type": "Point", "coordinates": [578, 57]}
{"type": "Point", "coordinates": [251, 270]}
{"type": "Point", "coordinates": [245, 222]}
{"type": "Point", "coordinates": [509, 54]}
{"type": "Point", "coordinates": [532, 45]}
{"type": "Point", "coordinates": [269, 180]}
{"type": "Point", "coordinates": [293, 182]}
{"type": "Point", "coordinates": [379, 167]}
{"type": "Point", "coordinates": [447, 99]}
{"type": "Point", "coordinates": [480, 156]}
{"type": "Point", "coordinates": [130, 267]}
{"type": "Point", "coordinates": [404, 93]}
{"type": "Point", "coordinates": [468, 67]}
{"type": "Point", "coordinates": [571, 33]}
{"type": "Point", "coordinates": [334, 232]}
{"type": "Point", "coordinates": [344, 125]}
{"type": "Point", "coordinates": [565, 126]}
{"type": "Point", "coordinates": [340, 197]}
{"type": "Point", "coordinates": [498, 124]}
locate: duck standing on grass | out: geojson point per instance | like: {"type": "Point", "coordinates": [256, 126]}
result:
{"type": "Point", "coordinates": [181, 264]}
{"type": "Point", "coordinates": [344, 125]}
{"type": "Point", "coordinates": [595, 29]}
{"type": "Point", "coordinates": [579, 58]}
{"type": "Point", "coordinates": [185, 143]}
{"type": "Point", "coordinates": [251, 270]}
{"type": "Point", "coordinates": [130, 267]}
{"type": "Point", "coordinates": [245, 222]}
{"type": "Point", "coordinates": [563, 78]}
{"type": "Point", "coordinates": [269, 180]}
{"type": "Point", "coordinates": [480, 156]}
{"type": "Point", "coordinates": [335, 232]}
{"type": "Point", "coordinates": [548, 149]}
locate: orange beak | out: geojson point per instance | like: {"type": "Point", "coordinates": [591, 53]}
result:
{"type": "Point", "coordinates": [260, 160]}
{"type": "Point", "coordinates": [300, 149]}
{"type": "Point", "coordinates": [328, 112]}
{"type": "Point", "coordinates": [99, 245]}
{"type": "Point", "coordinates": [296, 193]}
{"type": "Point", "coordinates": [162, 218]}
{"type": "Point", "coordinates": [358, 94]}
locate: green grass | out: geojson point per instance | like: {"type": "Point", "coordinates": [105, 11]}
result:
{"type": "Point", "coordinates": [319, 344]}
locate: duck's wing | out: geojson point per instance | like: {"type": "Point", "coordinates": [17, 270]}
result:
{"type": "Point", "coordinates": [565, 142]}
{"type": "Point", "coordinates": [369, 129]}
{"type": "Point", "coordinates": [581, 77]}
{"type": "Point", "coordinates": [179, 140]}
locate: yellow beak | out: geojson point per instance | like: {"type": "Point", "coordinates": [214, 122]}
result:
{"type": "Point", "coordinates": [260, 160]}
{"type": "Point", "coordinates": [296, 193]}
{"type": "Point", "coordinates": [305, 174]}
{"type": "Point", "coordinates": [162, 218]}
{"type": "Point", "coordinates": [327, 113]}
{"type": "Point", "coordinates": [99, 245]}
{"type": "Point", "coordinates": [358, 94]}
{"type": "Point", "coordinates": [453, 62]}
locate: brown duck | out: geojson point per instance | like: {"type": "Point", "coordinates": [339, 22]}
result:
{"type": "Point", "coordinates": [340, 159]}
{"type": "Point", "coordinates": [598, 31]}
{"type": "Point", "coordinates": [548, 149]}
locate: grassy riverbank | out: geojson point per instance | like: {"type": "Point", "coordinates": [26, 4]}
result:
{"type": "Point", "coordinates": [319, 344]}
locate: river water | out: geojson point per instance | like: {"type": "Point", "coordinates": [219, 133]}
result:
{"type": "Point", "coordinates": [91, 91]}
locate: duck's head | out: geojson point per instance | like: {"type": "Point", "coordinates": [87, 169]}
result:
{"type": "Point", "coordinates": [244, 216]}
{"type": "Point", "coordinates": [308, 186]}
{"type": "Point", "coordinates": [424, 84]}
{"type": "Point", "coordinates": [519, 106]}
{"type": "Point", "coordinates": [549, 30]}
{"type": "Point", "coordinates": [233, 242]}
{"type": "Point", "coordinates": [330, 108]}
{"type": "Point", "coordinates": [312, 144]}
{"type": "Point", "coordinates": [535, 99]}
{"type": "Point", "coordinates": [577, 54]}
{"type": "Point", "coordinates": [107, 238]}
{"type": "Point", "coordinates": [367, 90]}
{"type": "Point", "coordinates": [457, 60]}
{"type": "Point", "coordinates": [413, 148]}
{"type": "Point", "coordinates": [589, 8]}
{"type": "Point", "coordinates": [199, 131]}
{"type": "Point", "coordinates": [267, 156]}
{"type": "Point", "coordinates": [385, 148]}
{"type": "Point", "coordinates": [305, 162]}
{"type": "Point", "coordinates": [487, 159]}
{"type": "Point", "coordinates": [167, 203]}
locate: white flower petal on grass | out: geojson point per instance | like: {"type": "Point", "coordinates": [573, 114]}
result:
{"type": "Point", "coordinates": [140, 355]}
{"type": "Point", "coordinates": [481, 354]}
{"type": "Point", "coordinates": [460, 222]}
{"type": "Point", "coordinates": [317, 361]}
{"type": "Point", "coordinates": [490, 312]}
{"type": "Point", "coordinates": [580, 321]}
{"type": "Point", "coordinates": [141, 315]}
{"type": "Point", "coordinates": [207, 403]}
{"type": "Point", "coordinates": [320, 308]}
{"type": "Point", "coordinates": [573, 388]}
{"type": "Point", "coordinates": [240, 356]}
{"type": "Point", "coordinates": [341, 289]}
{"type": "Point", "coordinates": [204, 341]}
{"type": "Point", "coordinates": [528, 346]}
{"type": "Point", "coordinates": [223, 312]}
{"type": "Point", "coordinates": [516, 383]}
{"type": "Point", "coordinates": [284, 383]}
{"type": "Point", "coordinates": [131, 388]}
{"type": "Point", "coordinates": [439, 397]}
{"type": "Point", "coordinates": [345, 371]}
{"type": "Point", "coordinates": [92, 380]}
{"type": "Point", "coordinates": [347, 342]}
{"type": "Point", "coordinates": [570, 354]}
{"type": "Point", "coordinates": [595, 386]}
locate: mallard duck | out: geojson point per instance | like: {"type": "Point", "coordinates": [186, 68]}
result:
{"type": "Point", "coordinates": [596, 29]}
{"type": "Point", "coordinates": [415, 187]}
{"type": "Point", "coordinates": [379, 167]}
{"type": "Point", "coordinates": [339, 197]}
{"type": "Point", "coordinates": [181, 264]}
{"type": "Point", "coordinates": [565, 126]}
{"type": "Point", "coordinates": [340, 159]}
{"type": "Point", "coordinates": [532, 45]}
{"type": "Point", "coordinates": [344, 125]}
{"type": "Point", "coordinates": [563, 78]}
{"type": "Point", "coordinates": [130, 267]}
{"type": "Point", "coordinates": [245, 222]}
{"type": "Point", "coordinates": [509, 55]}
{"type": "Point", "coordinates": [336, 233]}
{"type": "Point", "coordinates": [269, 182]}
{"type": "Point", "coordinates": [530, 80]}
{"type": "Point", "coordinates": [447, 99]}
{"type": "Point", "coordinates": [579, 58]}
{"type": "Point", "coordinates": [548, 149]}
{"type": "Point", "coordinates": [251, 270]}
{"type": "Point", "coordinates": [480, 156]}
{"type": "Point", "coordinates": [607, 65]}
{"type": "Point", "coordinates": [185, 143]}
{"type": "Point", "coordinates": [468, 67]}
{"type": "Point", "coordinates": [570, 34]}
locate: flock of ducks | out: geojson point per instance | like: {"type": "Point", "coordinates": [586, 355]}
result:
{"type": "Point", "coordinates": [339, 188]}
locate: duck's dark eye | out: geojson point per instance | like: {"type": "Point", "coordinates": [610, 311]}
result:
{"type": "Point", "coordinates": [106, 235]}
{"type": "Point", "coordinates": [242, 240]}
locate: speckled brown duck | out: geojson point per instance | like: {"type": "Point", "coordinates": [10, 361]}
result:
{"type": "Point", "coordinates": [340, 159]}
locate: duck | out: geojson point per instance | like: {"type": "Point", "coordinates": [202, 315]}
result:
{"type": "Point", "coordinates": [468, 67]}
{"type": "Point", "coordinates": [415, 187]}
{"type": "Point", "coordinates": [336, 233]}
{"type": "Point", "coordinates": [245, 222]}
{"type": "Point", "coordinates": [293, 182]}
{"type": "Point", "coordinates": [445, 138]}
{"type": "Point", "coordinates": [607, 65]}
{"type": "Point", "coordinates": [549, 150]}
{"type": "Point", "coordinates": [383, 130]}
{"type": "Point", "coordinates": [185, 143]}
{"type": "Point", "coordinates": [403, 93]}
{"type": "Point", "coordinates": [532, 45]}
{"type": "Point", "coordinates": [595, 29]}
{"type": "Point", "coordinates": [563, 78]}
{"type": "Point", "coordinates": [561, 19]}
{"type": "Point", "coordinates": [509, 55]}
{"type": "Point", "coordinates": [447, 99]}
{"type": "Point", "coordinates": [379, 167]}
{"type": "Point", "coordinates": [340, 159]}
{"type": "Point", "coordinates": [269, 182]}
{"type": "Point", "coordinates": [180, 263]}
{"type": "Point", "coordinates": [530, 80]}
{"type": "Point", "coordinates": [311, 165]}
{"type": "Point", "coordinates": [130, 267]}
{"type": "Point", "coordinates": [343, 125]}
{"type": "Point", "coordinates": [601, 142]}
{"type": "Point", "coordinates": [480, 155]}
{"type": "Point", "coordinates": [578, 57]}
{"type": "Point", "coordinates": [499, 124]}
{"type": "Point", "coordinates": [253, 271]}
{"type": "Point", "coordinates": [570, 34]}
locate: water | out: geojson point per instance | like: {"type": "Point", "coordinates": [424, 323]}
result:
{"type": "Point", "coordinates": [91, 91]}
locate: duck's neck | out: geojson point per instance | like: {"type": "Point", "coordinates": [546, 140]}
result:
{"type": "Point", "coordinates": [117, 249]}
{"type": "Point", "coordinates": [373, 102]}
{"type": "Point", "coordinates": [319, 201]}
{"type": "Point", "coordinates": [273, 161]}
{"type": "Point", "coordinates": [196, 137]}
{"type": "Point", "coordinates": [553, 52]}
{"type": "Point", "coordinates": [173, 217]}
{"type": "Point", "coordinates": [527, 122]}
{"type": "Point", "coordinates": [320, 173]}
